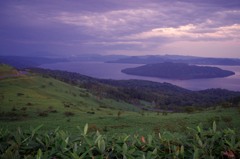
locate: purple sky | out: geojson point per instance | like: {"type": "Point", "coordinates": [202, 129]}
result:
{"type": "Point", "coordinates": [129, 27]}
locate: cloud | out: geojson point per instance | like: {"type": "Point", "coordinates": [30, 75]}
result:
{"type": "Point", "coordinates": [139, 26]}
{"type": "Point", "coordinates": [110, 43]}
{"type": "Point", "coordinates": [107, 22]}
{"type": "Point", "coordinates": [190, 32]}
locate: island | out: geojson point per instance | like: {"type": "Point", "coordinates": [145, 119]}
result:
{"type": "Point", "coordinates": [180, 71]}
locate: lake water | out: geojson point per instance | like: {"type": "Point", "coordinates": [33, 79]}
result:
{"type": "Point", "coordinates": [113, 71]}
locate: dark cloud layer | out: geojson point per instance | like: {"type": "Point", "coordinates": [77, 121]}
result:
{"type": "Point", "coordinates": [70, 27]}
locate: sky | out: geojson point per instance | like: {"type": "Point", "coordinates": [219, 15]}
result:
{"type": "Point", "coordinates": [209, 28]}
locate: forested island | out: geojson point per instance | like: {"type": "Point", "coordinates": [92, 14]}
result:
{"type": "Point", "coordinates": [179, 71]}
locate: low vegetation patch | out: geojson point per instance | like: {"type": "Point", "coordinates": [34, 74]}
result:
{"type": "Point", "coordinates": [198, 143]}
{"type": "Point", "coordinates": [12, 116]}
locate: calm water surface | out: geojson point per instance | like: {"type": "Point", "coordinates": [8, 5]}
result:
{"type": "Point", "coordinates": [113, 71]}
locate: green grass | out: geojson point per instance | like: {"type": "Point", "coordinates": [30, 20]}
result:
{"type": "Point", "coordinates": [7, 70]}
{"type": "Point", "coordinates": [197, 143]}
{"type": "Point", "coordinates": [33, 100]}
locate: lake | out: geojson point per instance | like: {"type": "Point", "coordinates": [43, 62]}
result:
{"type": "Point", "coordinates": [113, 71]}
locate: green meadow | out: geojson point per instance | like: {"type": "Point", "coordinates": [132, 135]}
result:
{"type": "Point", "coordinates": [41, 117]}
{"type": "Point", "coordinates": [32, 100]}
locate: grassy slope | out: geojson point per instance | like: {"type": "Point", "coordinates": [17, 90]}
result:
{"type": "Point", "coordinates": [6, 70]}
{"type": "Point", "coordinates": [39, 95]}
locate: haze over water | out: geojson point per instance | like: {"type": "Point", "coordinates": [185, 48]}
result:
{"type": "Point", "coordinates": [113, 71]}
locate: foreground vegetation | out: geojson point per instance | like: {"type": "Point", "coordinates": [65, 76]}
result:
{"type": "Point", "coordinates": [116, 128]}
{"type": "Point", "coordinates": [198, 143]}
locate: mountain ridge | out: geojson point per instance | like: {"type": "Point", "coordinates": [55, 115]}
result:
{"type": "Point", "coordinates": [150, 59]}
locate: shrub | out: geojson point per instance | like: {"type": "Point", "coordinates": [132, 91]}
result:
{"type": "Point", "coordinates": [91, 112]}
{"type": "Point", "coordinates": [93, 128]}
{"type": "Point", "coordinates": [164, 113]}
{"type": "Point", "coordinates": [43, 113]}
{"type": "Point", "coordinates": [119, 114]}
{"type": "Point", "coordinates": [53, 111]}
{"type": "Point", "coordinates": [190, 109]}
{"type": "Point", "coordinates": [29, 104]}
{"type": "Point", "coordinates": [20, 94]}
{"type": "Point", "coordinates": [14, 109]}
{"type": "Point", "coordinates": [212, 119]}
{"type": "Point", "coordinates": [226, 119]}
{"type": "Point", "coordinates": [10, 116]}
{"type": "Point", "coordinates": [109, 113]}
{"type": "Point", "coordinates": [24, 108]}
{"type": "Point", "coordinates": [25, 115]}
{"type": "Point", "coordinates": [68, 114]}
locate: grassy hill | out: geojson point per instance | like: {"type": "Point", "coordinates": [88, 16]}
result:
{"type": "Point", "coordinates": [32, 99]}
{"type": "Point", "coordinates": [6, 70]}
{"type": "Point", "coordinates": [164, 96]}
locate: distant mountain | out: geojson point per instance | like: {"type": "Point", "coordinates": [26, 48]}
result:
{"type": "Point", "coordinates": [178, 71]}
{"type": "Point", "coordinates": [95, 57]}
{"type": "Point", "coordinates": [24, 62]}
{"type": "Point", "coordinates": [177, 59]}
{"type": "Point", "coordinates": [28, 61]}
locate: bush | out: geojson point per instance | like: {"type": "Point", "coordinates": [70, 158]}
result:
{"type": "Point", "coordinates": [91, 112]}
{"type": "Point", "coordinates": [53, 111]}
{"type": "Point", "coordinates": [226, 119]}
{"type": "Point", "coordinates": [20, 94]}
{"type": "Point", "coordinates": [29, 104]}
{"type": "Point", "coordinates": [24, 108]}
{"type": "Point", "coordinates": [190, 109]}
{"type": "Point", "coordinates": [212, 119]}
{"type": "Point", "coordinates": [12, 116]}
{"type": "Point", "coordinates": [164, 113]}
{"type": "Point", "coordinates": [14, 109]}
{"type": "Point", "coordinates": [68, 114]}
{"type": "Point", "coordinates": [43, 113]}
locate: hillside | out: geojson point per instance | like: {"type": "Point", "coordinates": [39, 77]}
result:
{"type": "Point", "coordinates": [6, 70]}
{"type": "Point", "coordinates": [157, 95]}
{"type": "Point", "coordinates": [179, 71]}
{"type": "Point", "coordinates": [32, 99]}
{"type": "Point", "coordinates": [69, 100]}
